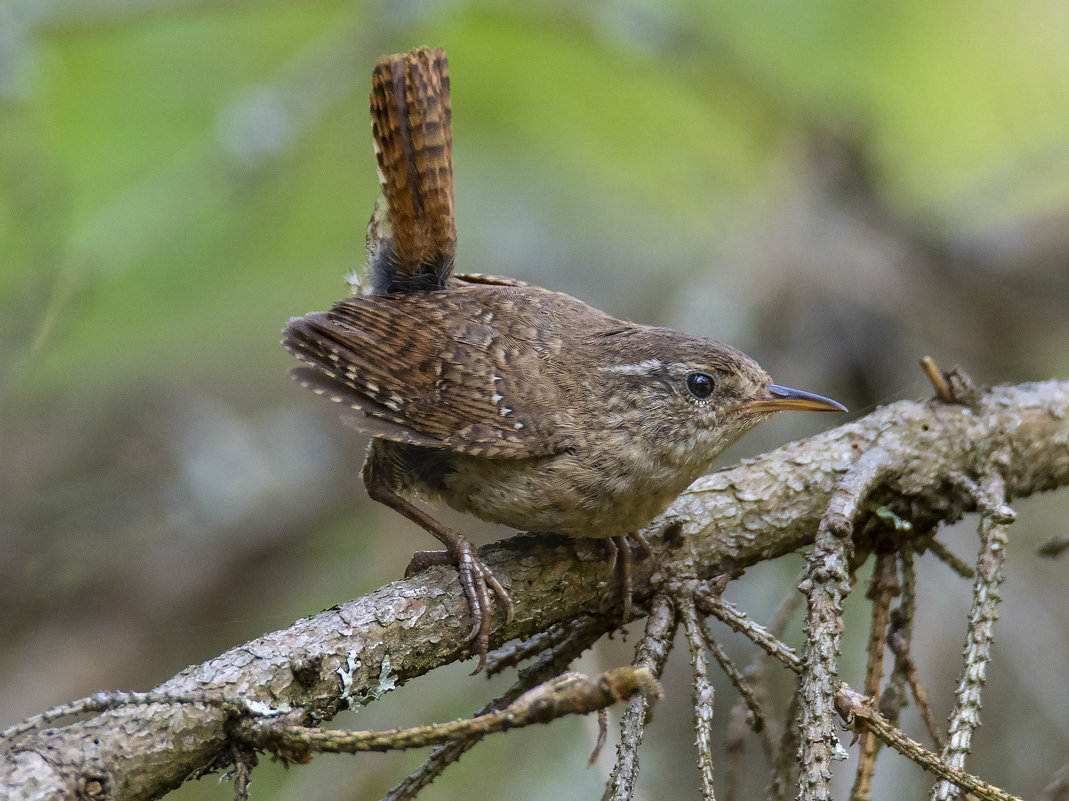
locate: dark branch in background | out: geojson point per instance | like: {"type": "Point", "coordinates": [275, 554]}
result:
{"type": "Point", "coordinates": [734, 739]}
{"type": "Point", "coordinates": [766, 507]}
{"type": "Point", "coordinates": [900, 640]}
{"type": "Point", "coordinates": [883, 589]}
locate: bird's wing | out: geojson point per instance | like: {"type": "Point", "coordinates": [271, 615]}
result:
{"type": "Point", "coordinates": [435, 369]}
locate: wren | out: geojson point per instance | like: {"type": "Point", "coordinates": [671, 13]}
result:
{"type": "Point", "coordinates": [509, 402]}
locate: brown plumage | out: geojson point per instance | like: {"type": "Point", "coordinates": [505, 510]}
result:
{"type": "Point", "coordinates": [507, 401]}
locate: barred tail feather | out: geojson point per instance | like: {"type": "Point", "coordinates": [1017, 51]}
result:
{"type": "Point", "coordinates": [412, 240]}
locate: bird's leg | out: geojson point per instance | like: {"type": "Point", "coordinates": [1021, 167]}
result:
{"type": "Point", "coordinates": [611, 551]}
{"type": "Point", "coordinates": [618, 551]}
{"type": "Point", "coordinates": [643, 544]}
{"type": "Point", "coordinates": [475, 576]}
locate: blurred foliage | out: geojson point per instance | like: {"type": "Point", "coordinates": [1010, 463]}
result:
{"type": "Point", "coordinates": [839, 188]}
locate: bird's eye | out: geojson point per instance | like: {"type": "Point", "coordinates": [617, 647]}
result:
{"type": "Point", "coordinates": [701, 385]}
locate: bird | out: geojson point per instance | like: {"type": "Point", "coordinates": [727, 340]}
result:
{"type": "Point", "coordinates": [506, 401]}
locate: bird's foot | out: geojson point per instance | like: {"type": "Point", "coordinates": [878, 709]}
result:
{"type": "Point", "coordinates": [477, 580]}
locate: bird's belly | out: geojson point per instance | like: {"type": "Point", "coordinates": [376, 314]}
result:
{"type": "Point", "coordinates": [561, 494]}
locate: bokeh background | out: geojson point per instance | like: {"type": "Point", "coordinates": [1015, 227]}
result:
{"type": "Point", "coordinates": [838, 188]}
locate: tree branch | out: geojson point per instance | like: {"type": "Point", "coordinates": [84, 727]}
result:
{"type": "Point", "coordinates": [566, 694]}
{"type": "Point", "coordinates": [758, 510]}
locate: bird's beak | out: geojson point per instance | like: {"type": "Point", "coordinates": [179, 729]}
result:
{"type": "Point", "coordinates": [785, 399]}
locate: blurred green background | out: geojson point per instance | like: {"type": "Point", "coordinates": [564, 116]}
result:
{"type": "Point", "coordinates": [838, 188]}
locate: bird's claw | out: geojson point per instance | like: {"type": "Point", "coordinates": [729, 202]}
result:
{"type": "Point", "coordinates": [478, 581]}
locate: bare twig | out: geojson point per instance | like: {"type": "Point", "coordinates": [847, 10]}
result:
{"type": "Point", "coordinates": [115, 699]}
{"type": "Point", "coordinates": [859, 712]}
{"type": "Point", "coordinates": [826, 583]}
{"type": "Point", "coordinates": [965, 716]}
{"type": "Point", "coordinates": [556, 659]}
{"type": "Point", "coordinates": [850, 705]}
{"type": "Point", "coordinates": [735, 735]}
{"type": "Point", "coordinates": [702, 695]}
{"type": "Point", "coordinates": [1057, 788]}
{"type": "Point", "coordinates": [784, 764]}
{"type": "Point", "coordinates": [244, 759]}
{"type": "Point", "coordinates": [900, 640]}
{"type": "Point", "coordinates": [920, 695]}
{"type": "Point", "coordinates": [950, 559]}
{"type": "Point", "coordinates": [741, 684]}
{"type": "Point", "coordinates": [894, 697]}
{"type": "Point", "coordinates": [938, 381]}
{"type": "Point", "coordinates": [514, 653]}
{"type": "Point", "coordinates": [651, 652]}
{"type": "Point", "coordinates": [1053, 547]}
{"type": "Point", "coordinates": [567, 694]}
{"type": "Point", "coordinates": [728, 614]}
{"type": "Point", "coordinates": [603, 735]}
{"type": "Point", "coordinates": [988, 504]}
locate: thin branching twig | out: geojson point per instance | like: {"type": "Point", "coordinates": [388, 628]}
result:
{"type": "Point", "coordinates": [826, 583]}
{"type": "Point", "coordinates": [114, 699]}
{"type": "Point", "coordinates": [951, 559]}
{"type": "Point", "coordinates": [965, 716]}
{"type": "Point", "coordinates": [514, 653]}
{"type": "Point", "coordinates": [900, 631]}
{"type": "Point", "coordinates": [567, 694]}
{"type": "Point", "coordinates": [553, 661]}
{"type": "Point", "coordinates": [741, 683]}
{"type": "Point", "coordinates": [900, 639]}
{"type": "Point", "coordinates": [729, 614]}
{"type": "Point", "coordinates": [702, 695]}
{"type": "Point", "coordinates": [859, 712]}
{"type": "Point", "coordinates": [651, 652]}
